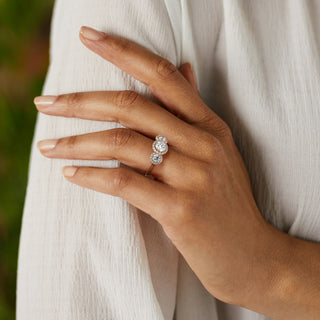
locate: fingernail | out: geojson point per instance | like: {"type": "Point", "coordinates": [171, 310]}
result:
{"type": "Point", "coordinates": [44, 102]}
{"type": "Point", "coordinates": [192, 71]}
{"type": "Point", "coordinates": [195, 82]}
{"type": "Point", "coordinates": [91, 34]}
{"type": "Point", "coordinates": [69, 171]}
{"type": "Point", "coordinates": [46, 145]}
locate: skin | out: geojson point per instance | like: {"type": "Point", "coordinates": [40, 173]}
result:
{"type": "Point", "coordinates": [201, 193]}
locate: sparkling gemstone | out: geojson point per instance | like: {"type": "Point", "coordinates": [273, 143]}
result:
{"type": "Point", "coordinates": [160, 147]}
{"type": "Point", "coordinates": [156, 158]}
{"type": "Point", "coordinates": [161, 138]}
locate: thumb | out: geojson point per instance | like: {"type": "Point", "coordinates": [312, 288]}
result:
{"type": "Point", "coordinates": [188, 72]}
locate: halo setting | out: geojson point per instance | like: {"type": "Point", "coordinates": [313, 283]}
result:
{"type": "Point", "coordinates": [159, 147]}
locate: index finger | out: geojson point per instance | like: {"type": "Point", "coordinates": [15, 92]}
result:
{"type": "Point", "coordinates": [166, 83]}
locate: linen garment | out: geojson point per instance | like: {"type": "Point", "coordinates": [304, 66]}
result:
{"type": "Point", "coordinates": [89, 255]}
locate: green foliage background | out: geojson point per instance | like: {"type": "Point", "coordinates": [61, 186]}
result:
{"type": "Point", "coordinates": [24, 40]}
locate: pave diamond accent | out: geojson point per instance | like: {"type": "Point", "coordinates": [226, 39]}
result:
{"type": "Point", "coordinates": [156, 158]}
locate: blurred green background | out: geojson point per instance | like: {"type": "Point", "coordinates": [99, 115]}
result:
{"type": "Point", "coordinates": [24, 42]}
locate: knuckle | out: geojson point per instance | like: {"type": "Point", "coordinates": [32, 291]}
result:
{"type": "Point", "coordinates": [125, 98]}
{"type": "Point", "coordinates": [165, 69]}
{"type": "Point", "coordinates": [123, 45]}
{"type": "Point", "coordinates": [221, 129]}
{"type": "Point", "coordinates": [212, 147]}
{"type": "Point", "coordinates": [227, 131]}
{"type": "Point", "coordinates": [73, 99]}
{"type": "Point", "coordinates": [206, 119]}
{"type": "Point", "coordinates": [119, 44]}
{"type": "Point", "coordinates": [120, 137]}
{"type": "Point", "coordinates": [186, 209]}
{"type": "Point", "coordinates": [71, 142]}
{"type": "Point", "coordinates": [120, 179]}
{"type": "Point", "coordinates": [202, 176]}
{"type": "Point", "coordinates": [214, 124]}
{"type": "Point", "coordinates": [73, 103]}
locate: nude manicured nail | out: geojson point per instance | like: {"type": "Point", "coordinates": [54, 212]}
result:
{"type": "Point", "coordinates": [91, 34]}
{"type": "Point", "coordinates": [44, 102]}
{"type": "Point", "coordinates": [46, 145]}
{"type": "Point", "coordinates": [69, 171]}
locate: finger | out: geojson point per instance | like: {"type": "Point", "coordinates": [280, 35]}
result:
{"type": "Point", "coordinates": [150, 196]}
{"type": "Point", "coordinates": [127, 146]}
{"type": "Point", "coordinates": [188, 72]}
{"type": "Point", "coordinates": [126, 107]}
{"type": "Point", "coordinates": [165, 82]}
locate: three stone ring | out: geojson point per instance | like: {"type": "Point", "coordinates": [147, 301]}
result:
{"type": "Point", "coordinates": [160, 147]}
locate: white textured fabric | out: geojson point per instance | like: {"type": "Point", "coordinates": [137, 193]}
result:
{"type": "Point", "coordinates": [88, 255]}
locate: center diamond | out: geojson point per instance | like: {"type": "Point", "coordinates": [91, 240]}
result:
{"type": "Point", "coordinates": [160, 147]}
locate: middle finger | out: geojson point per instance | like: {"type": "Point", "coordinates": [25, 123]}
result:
{"type": "Point", "coordinates": [128, 108]}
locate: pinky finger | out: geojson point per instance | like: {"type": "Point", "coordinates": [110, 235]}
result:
{"type": "Point", "coordinates": [150, 196]}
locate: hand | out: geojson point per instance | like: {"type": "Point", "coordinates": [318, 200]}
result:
{"type": "Point", "coordinates": [201, 194]}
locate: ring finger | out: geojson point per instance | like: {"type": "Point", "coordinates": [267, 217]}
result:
{"type": "Point", "coordinates": [128, 146]}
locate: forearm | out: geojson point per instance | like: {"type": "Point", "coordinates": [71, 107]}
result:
{"type": "Point", "coordinates": [289, 282]}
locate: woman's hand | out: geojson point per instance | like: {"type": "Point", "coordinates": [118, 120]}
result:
{"type": "Point", "coordinates": [201, 194]}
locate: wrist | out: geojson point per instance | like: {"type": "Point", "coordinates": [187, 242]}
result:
{"type": "Point", "coordinates": [286, 283]}
{"type": "Point", "coordinates": [268, 267]}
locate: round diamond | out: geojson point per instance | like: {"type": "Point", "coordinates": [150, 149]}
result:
{"type": "Point", "coordinates": [161, 138]}
{"type": "Point", "coordinates": [156, 158]}
{"type": "Point", "coordinates": [160, 147]}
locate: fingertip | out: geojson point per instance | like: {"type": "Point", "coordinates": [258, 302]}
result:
{"type": "Point", "coordinates": [81, 37]}
{"type": "Point", "coordinates": [91, 34]}
{"type": "Point", "coordinates": [69, 171]}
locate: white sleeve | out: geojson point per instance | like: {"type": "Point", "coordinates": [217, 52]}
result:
{"type": "Point", "coordinates": [84, 254]}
